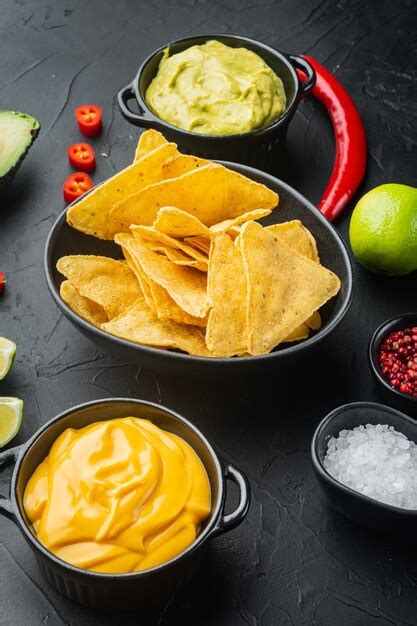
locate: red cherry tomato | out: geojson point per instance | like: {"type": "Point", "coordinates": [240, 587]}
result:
{"type": "Point", "coordinates": [81, 156]}
{"type": "Point", "coordinates": [89, 119]}
{"type": "Point", "coordinates": [75, 185]}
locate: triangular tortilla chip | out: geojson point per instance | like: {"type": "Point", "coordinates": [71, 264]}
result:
{"type": "Point", "coordinates": [140, 325]}
{"type": "Point", "coordinates": [157, 298]}
{"type": "Point", "coordinates": [201, 266]}
{"type": "Point", "coordinates": [183, 163]}
{"type": "Point", "coordinates": [212, 193]}
{"type": "Point", "coordinates": [84, 307]}
{"type": "Point", "coordinates": [167, 308]}
{"type": "Point", "coordinates": [284, 288]}
{"type": "Point", "coordinates": [175, 255]}
{"type": "Point", "coordinates": [177, 223]}
{"type": "Point", "coordinates": [108, 282]}
{"type": "Point", "coordinates": [122, 239]}
{"type": "Point", "coordinates": [200, 242]}
{"type": "Point", "coordinates": [226, 225]}
{"type": "Point", "coordinates": [92, 214]}
{"type": "Point", "coordinates": [187, 286]}
{"type": "Point", "coordinates": [148, 233]}
{"type": "Point", "coordinates": [301, 332]}
{"type": "Point", "coordinates": [148, 141]}
{"type": "Point", "coordinates": [314, 321]}
{"type": "Point", "coordinates": [227, 326]}
{"type": "Point", "coordinates": [298, 237]}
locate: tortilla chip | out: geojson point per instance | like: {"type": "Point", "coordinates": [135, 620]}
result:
{"type": "Point", "coordinates": [183, 163]}
{"type": "Point", "coordinates": [177, 223]}
{"type": "Point", "coordinates": [92, 214]}
{"type": "Point", "coordinates": [84, 307]}
{"type": "Point", "coordinates": [185, 285]}
{"type": "Point", "coordinates": [140, 325]}
{"type": "Point", "coordinates": [212, 193]}
{"type": "Point", "coordinates": [201, 266]}
{"type": "Point", "coordinates": [299, 238]}
{"type": "Point", "coordinates": [123, 239]}
{"type": "Point", "coordinates": [314, 321]}
{"type": "Point", "coordinates": [174, 254]}
{"type": "Point", "coordinates": [227, 326]}
{"type": "Point", "coordinates": [295, 235]}
{"type": "Point", "coordinates": [108, 282]}
{"type": "Point", "coordinates": [200, 243]}
{"type": "Point", "coordinates": [226, 225]}
{"type": "Point", "coordinates": [156, 297]}
{"type": "Point", "coordinates": [148, 141]}
{"type": "Point", "coordinates": [314, 250]}
{"type": "Point", "coordinates": [234, 232]}
{"type": "Point", "coordinates": [284, 288]}
{"type": "Point", "coordinates": [180, 258]}
{"type": "Point", "coordinates": [147, 234]}
{"type": "Point", "coordinates": [167, 308]}
{"type": "Point", "coordinates": [301, 332]}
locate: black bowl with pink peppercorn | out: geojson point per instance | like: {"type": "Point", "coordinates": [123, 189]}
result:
{"type": "Point", "coordinates": [393, 360]}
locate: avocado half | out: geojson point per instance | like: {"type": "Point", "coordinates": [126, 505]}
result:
{"type": "Point", "coordinates": [17, 133]}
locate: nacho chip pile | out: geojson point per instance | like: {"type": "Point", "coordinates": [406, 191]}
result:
{"type": "Point", "coordinates": [200, 274]}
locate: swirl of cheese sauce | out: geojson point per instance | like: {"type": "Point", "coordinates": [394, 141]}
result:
{"type": "Point", "coordinates": [118, 496]}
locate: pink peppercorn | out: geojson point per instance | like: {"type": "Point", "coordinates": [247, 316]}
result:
{"type": "Point", "coordinates": [397, 359]}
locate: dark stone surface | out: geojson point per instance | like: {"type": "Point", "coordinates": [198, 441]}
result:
{"type": "Point", "coordinates": [293, 561]}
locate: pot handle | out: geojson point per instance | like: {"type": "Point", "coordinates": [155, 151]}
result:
{"type": "Point", "coordinates": [7, 458]}
{"type": "Point", "coordinates": [301, 64]}
{"type": "Point", "coordinates": [138, 119]}
{"type": "Point", "coordinates": [231, 520]}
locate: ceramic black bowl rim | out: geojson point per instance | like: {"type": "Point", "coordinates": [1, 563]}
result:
{"type": "Point", "coordinates": [379, 335]}
{"type": "Point", "coordinates": [219, 36]}
{"type": "Point", "coordinates": [22, 450]}
{"type": "Point", "coordinates": [319, 467]}
{"type": "Point", "coordinates": [180, 356]}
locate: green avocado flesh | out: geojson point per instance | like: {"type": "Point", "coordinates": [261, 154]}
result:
{"type": "Point", "coordinates": [17, 133]}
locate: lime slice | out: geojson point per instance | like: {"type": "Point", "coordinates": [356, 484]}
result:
{"type": "Point", "coordinates": [7, 354]}
{"type": "Point", "coordinates": [11, 413]}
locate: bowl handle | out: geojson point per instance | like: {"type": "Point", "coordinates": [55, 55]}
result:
{"type": "Point", "coordinates": [138, 119]}
{"type": "Point", "coordinates": [301, 64]}
{"type": "Point", "coordinates": [231, 520]}
{"type": "Point", "coordinates": [7, 458]}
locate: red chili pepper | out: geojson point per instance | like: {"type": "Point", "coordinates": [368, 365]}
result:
{"type": "Point", "coordinates": [351, 147]}
{"type": "Point", "coordinates": [81, 156]}
{"type": "Point", "coordinates": [75, 185]}
{"type": "Point", "coordinates": [2, 282]}
{"type": "Point", "coordinates": [89, 119]}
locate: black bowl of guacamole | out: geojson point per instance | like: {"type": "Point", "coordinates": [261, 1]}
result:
{"type": "Point", "coordinates": [265, 84]}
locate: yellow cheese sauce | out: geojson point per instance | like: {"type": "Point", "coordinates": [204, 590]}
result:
{"type": "Point", "coordinates": [118, 496]}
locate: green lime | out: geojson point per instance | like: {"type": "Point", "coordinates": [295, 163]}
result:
{"type": "Point", "coordinates": [7, 354]}
{"type": "Point", "coordinates": [11, 413]}
{"type": "Point", "coordinates": [383, 229]}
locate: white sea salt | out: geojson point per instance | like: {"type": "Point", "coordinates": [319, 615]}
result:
{"type": "Point", "coordinates": [377, 461]}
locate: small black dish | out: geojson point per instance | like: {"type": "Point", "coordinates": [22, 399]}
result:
{"type": "Point", "coordinates": [401, 401]}
{"type": "Point", "coordinates": [354, 505]}
{"type": "Point", "coordinates": [63, 240]}
{"type": "Point", "coordinates": [148, 588]}
{"type": "Point", "coordinates": [264, 147]}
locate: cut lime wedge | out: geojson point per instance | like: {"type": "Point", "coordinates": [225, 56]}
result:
{"type": "Point", "coordinates": [11, 413]}
{"type": "Point", "coordinates": [7, 354]}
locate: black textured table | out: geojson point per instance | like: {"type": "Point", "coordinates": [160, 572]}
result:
{"type": "Point", "coordinates": [293, 561]}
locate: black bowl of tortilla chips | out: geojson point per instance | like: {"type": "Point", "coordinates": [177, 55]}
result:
{"type": "Point", "coordinates": [182, 266]}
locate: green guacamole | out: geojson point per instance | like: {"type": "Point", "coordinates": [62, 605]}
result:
{"type": "Point", "coordinates": [214, 89]}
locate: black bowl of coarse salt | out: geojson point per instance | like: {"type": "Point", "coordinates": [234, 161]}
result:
{"type": "Point", "coordinates": [365, 459]}
{"type": "Point", "coordinates": [393, 360]}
